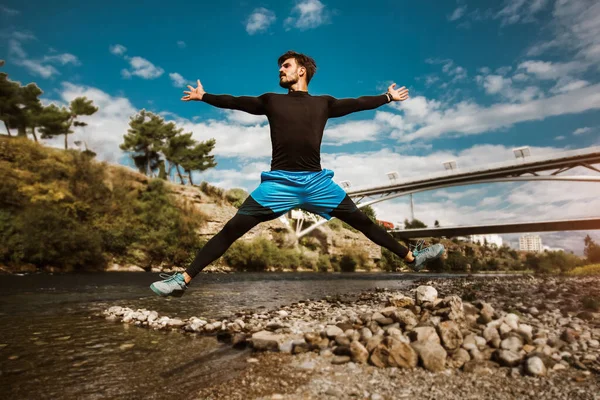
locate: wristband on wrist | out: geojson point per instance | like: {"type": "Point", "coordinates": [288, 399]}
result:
{"type": "Point", "coordinates": [389, 96]}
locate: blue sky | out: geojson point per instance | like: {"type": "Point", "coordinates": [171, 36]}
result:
{"type": "Point", "coordinates": [484, 77]}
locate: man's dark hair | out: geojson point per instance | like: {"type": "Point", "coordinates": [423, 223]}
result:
{"type": "Point", "coordinates": [302, 61]}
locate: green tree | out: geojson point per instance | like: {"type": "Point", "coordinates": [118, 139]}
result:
{"type": "Point", "coordinates": [146, 139]}
{"type": "Point", "coordinates": [9, 101]}
{"type": "Point", "coordinates": [175, 151]}
{"type": "Point", "coordinates": [55, 122]}
{"type": "Point", "coordinates": [592, 250]}
{"type": "Point", "coordinates": [198, 158]}
{"type": "Point", "coordinates": [414, 224]}
{"type": "Point", "coordinates": [436, 223]}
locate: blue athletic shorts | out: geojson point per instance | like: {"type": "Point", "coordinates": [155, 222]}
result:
{"type": "Point", "coordinates": [281, 191]}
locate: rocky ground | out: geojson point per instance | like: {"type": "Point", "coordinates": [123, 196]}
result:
{"type": "Point", "coordinates": [501, 338]}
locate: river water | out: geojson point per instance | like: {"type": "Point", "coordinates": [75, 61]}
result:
{"type": "Point", "coordinates": [54, 346]}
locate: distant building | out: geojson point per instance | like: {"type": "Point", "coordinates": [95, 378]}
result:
{"type": "Point", "coordinates": [530, 243]}
{"type": "Point", "coordinates": [489, 239]}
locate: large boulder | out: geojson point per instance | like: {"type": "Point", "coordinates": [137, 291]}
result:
{"type": "Point", "coordinates": [450, 334]}
{"type": "Point", "coordinates": [394, 353]}
{"type": "Point", "coordinates": [432, 355]}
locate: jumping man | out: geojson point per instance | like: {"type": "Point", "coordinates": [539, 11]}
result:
{"type": "Point", "coordinates": [296, 180]}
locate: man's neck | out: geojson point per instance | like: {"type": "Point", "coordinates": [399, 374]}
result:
{"type": "Point", "coordinates": [298, 87]}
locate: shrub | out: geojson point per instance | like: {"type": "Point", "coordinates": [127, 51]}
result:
{"type": "Point", "coordinates": [593, 269]}
{"type": "Point", "coordinates": [336, 224]}
{"type": "Point", "coordinates": [211, 190]}
{"type": "Point", "coordinates": [390, 262]}
{"type": "Point", "coordinates": [323, 263]}
{"type": "Point", "coordinates": [236, 197]}
{"type": "Point", "coordinates": [348, 263]}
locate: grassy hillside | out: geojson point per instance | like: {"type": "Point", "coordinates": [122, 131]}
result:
{"type": "Point", "coordinates": [61, 210]}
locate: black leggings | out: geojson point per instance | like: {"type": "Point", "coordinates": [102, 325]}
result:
{"type": "Point", "coordinates": [240, 224]}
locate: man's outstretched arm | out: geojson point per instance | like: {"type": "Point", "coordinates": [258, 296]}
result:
{"type": "Point", "coordinates": [252, 105]}
{"type": "Point", "coordinates": [341, 107]}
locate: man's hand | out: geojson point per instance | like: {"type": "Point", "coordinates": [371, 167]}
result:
{"type": "Point", "coordinates": [398, 94]}
{"type": "Point", "coordinates": [194, 93]}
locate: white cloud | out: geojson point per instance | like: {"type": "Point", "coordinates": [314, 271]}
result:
{"type": "Point", "coordinates": [307, 14]}
{"type": "Point", "coordinates": [118, 49]}
{"type": "Point", "coordinates": [576, 29]}
{"type": "Point", "coordinates": [37, 68]}
{"type": "Point", "coordinates": [352, 131]}
{"type": "Point", "coordinates": [458, 13]}
{"type": "Point", "coordinates": [178, 80]}
{"type": "Point", "coordinates": [9, 11]}
{"type": "Point", "coordinates": [567, 85]}
{"type": "Point", "coordinates": [561, 137]}
{"type": "Point", "coordinates": [495, 83]}
{"type": "Point", "coordinates": [16, 49]}
{"type": "Point", "coordinates": [581, 131]}
{"type": "Point", "coordinates": [520, 11]}
{"type": "Point", "coordinates": [551, 71]}
{"type": "Point", "coordinates": [62, 59]}
{"type": "Point", "coordinates": [143, 68]}
{"type": "Point", "coordinates": [105, 129]}
{"type": "Point", "coordinates": [181, 44]}
{"type": "Point", "coordinates": [243, 118]}
{"type": "Point", "coordinates": [260, 20]}
{"type": "Point", "coordinates": [246, 176]}
{"type": "Point", "coordinates": [468, 118]}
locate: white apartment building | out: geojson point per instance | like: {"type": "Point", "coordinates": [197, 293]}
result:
{"type": "Point", "coordinates": [490, 239]}
{"type": "Point", "coordinates": [531, 243]}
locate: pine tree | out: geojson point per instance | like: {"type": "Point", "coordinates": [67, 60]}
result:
{"type": "Point", "coordinates": [56, 121]}
{"type": "Point", "coordinates": [198, 158]}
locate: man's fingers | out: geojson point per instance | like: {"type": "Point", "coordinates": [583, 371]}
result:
{"type": "Point", "coordinates": [199, 84]}
{"type": "Point", "coordinates": [191, 87]}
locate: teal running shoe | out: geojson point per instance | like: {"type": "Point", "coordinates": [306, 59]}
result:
{"type": "Point", "coordinates": [172, 285]}
{"type": "Point", "coordinates": [423, 256]}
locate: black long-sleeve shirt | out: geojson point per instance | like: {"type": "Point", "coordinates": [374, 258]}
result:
{"type": "Point", "coordinates": [297, 122]}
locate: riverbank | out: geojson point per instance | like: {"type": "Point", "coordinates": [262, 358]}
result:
{"type": "Point", "coordinates": [517, 337]}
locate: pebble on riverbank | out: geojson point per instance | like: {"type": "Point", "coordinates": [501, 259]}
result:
{"type": "Point", "coordinates": [392, 329]}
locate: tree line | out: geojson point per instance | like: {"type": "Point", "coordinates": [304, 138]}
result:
{"type": "Point", "coordinates": [157, 148]}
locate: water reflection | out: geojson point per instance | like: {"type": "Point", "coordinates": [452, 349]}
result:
{"type": "Point", "coordinates": [52, 346]}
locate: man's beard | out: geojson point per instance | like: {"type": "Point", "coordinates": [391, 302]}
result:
{"type": "Point", "coordinates": [287, 83]}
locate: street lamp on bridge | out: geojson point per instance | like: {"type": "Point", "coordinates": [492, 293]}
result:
{"type": "Point", "coordinates": [345, 184]}
{"type": "Point", "coordinates": [393, 175]}
{"type": "Point", "coordinates": [450, 165]}
{"type": "Point", "coordinates": [522, 152]}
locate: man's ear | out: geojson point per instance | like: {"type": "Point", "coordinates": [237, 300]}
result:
{"type": "Point", "coordinates": [301, 71]}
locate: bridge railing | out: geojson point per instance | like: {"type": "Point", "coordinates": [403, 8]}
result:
{"type": "Point", "coordinates": [485, 168]}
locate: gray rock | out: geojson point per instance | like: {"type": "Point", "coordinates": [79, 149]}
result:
{"type": "Point", "coordinates": [359, 353]}
{"type": "Point", "coordinates": [406, 318]}
{"type": "Point", "coordinates": [425, 294]}
{"type": "Point", "coordinates": [342, 340]}
{"type": "Point", "coordinates": [492, 336]}
{"type": "Point", "coordinates": [374, 342]}
{"type": "Point", "coordinates": [424, 334]}
{"type": "Point", "coordinates": [432, 355]}
{"type": "Point", "coordinates": [266, 341]}
{"type": "Point", "coordinates": [393, 353]}
{"type": "Point", "coordinates": [332, 331]}
{"type": "Point", "coordinates": [458, 359]}
{"type": "Point", "coordinates": [535, 366]}
{"type": "Point", "coordinates": [508, 358]}
{"type": "Point", "coordinates": [512, 343]}
{"type": "Point", "coordinates": [401, 301]}
{"type": "Point", "coordinates": [340, 359]}
{"type": "Point", "coordinates": [450, 334]}
{"type": "Point", "coordinates": [365, 334]}
{"type": "Point", "coordinates": [512, 320]}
